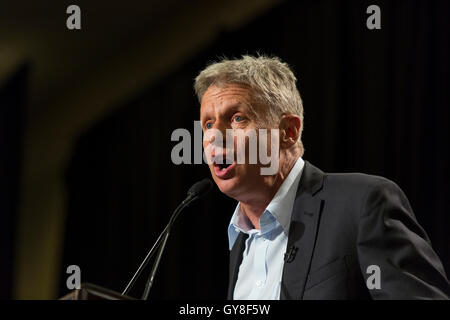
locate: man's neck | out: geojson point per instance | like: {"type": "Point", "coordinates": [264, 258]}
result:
{"type": "Point", "coordinates": [255, 207]}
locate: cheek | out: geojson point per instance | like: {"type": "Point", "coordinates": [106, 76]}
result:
{"type": "Point", "coordinates": [247, 172]}
{"type": "Point", "coordinates": [246, 148]}
{"type": "Point", "coordinates": [207, 148]}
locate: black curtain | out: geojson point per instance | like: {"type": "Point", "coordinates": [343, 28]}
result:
{"type": "Point", "coordinates": [12, 111]}
{"type": "Point", "coordinates": [376, 101]}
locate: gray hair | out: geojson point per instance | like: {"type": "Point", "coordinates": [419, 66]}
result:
{"type": "Point", "coordinates": [272, 82]}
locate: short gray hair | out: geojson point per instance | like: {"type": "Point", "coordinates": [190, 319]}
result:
{"type": "Point", "coordinates": [272, 82]}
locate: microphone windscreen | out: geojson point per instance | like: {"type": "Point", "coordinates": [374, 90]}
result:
{"type": "Point", "coordinates": [200, 188]}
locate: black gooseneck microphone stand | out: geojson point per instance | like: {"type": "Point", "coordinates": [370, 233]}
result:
{"type": "Point", "coordinates": [195, 192]}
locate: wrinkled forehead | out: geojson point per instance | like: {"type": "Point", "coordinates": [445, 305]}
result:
{"type": "Point", "coordinates": [217, 98]}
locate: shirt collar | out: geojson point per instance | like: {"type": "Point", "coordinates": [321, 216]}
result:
{"type": "Point", "coordinates": [278, 211]}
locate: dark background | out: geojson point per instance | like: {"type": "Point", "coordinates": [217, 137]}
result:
{"type": "Point", "coordinates": [12, 98]}
{"type": "Point", "coordinates": [376, 101]}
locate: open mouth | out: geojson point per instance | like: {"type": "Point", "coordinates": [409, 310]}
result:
{"type": "Point", "coordinates": [224, 170]}
{"type": "Point", "coordinates": [223, 166]}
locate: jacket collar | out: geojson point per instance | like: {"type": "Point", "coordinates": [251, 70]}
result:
{"type": "Point", "coordinates": [305, 220]}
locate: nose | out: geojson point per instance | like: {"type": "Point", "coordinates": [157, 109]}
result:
{"type": "Point", "coordinates": [221, 127]}
{"type": "Point", "coordinates": [216, 135]}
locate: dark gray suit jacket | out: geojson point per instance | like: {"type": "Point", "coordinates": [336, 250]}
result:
{"type": "Point", "coordinates": [343, 223]}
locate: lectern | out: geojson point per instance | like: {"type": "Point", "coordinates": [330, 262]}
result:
{"type": "Point", "coordinates": [89, 291]}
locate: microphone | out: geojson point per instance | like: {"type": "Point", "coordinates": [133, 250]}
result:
{"type": "Point", "coordinates": [197, 191]}
{"type": "Point", "coordinates": [289, 256]}
{"type": "Point", "coordinates": [200, 188]}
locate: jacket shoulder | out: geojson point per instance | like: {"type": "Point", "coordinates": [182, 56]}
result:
{"type": "Point", "coordinates": [359, 183]}
{"type": "Point", "coordinates": [353, 188]}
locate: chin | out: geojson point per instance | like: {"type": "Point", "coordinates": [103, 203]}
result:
{"type": "Point", "coordinates": [229, 187]}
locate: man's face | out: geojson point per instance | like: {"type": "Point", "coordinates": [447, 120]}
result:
{"type": "Point", "coordinates": [222, 108]}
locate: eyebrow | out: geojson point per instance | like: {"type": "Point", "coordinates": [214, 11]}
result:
{"type": "Point", "coordinates": [229, 109]}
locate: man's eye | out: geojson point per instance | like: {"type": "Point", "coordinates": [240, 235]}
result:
{"type": "Point", "coordinates": [209, 125]}
{"type": "Point", "coordinates": [238, 119]}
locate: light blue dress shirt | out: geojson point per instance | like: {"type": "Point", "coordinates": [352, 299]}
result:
{"type": "Point", "coordinates": [263, 258]}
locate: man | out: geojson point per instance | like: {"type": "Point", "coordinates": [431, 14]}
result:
{"type": "Point", "coordinates": [300, 233]}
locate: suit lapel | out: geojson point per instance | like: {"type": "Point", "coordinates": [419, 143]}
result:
{"type": "Point", "coordinates": [302, 232]}
{"type": "Point", "coordinates": [235, 262]}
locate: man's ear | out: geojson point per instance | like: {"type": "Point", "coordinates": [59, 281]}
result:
{"type": "Point", "coordinates": [289, 130]}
